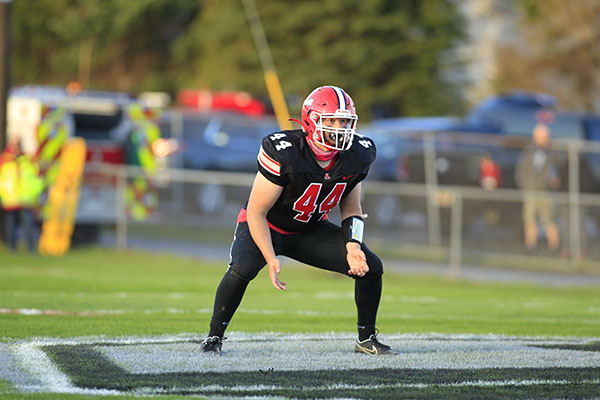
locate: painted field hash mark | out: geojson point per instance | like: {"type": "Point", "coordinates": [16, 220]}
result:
{"type": "Point", "coordinates": [313, 366]}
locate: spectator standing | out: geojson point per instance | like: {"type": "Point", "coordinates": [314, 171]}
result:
{"type": "Point", "coordinates": [536, 174]}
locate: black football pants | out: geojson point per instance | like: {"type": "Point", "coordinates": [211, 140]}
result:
{"type": "Point", "coordinates": [323, 248]}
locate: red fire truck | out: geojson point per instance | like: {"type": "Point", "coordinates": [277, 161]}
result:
{"type": "Point", "coordinates": [43, 116]}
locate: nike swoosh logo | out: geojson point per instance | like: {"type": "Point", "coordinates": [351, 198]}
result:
{"type": "Point", "coordinates": [370, 351]}
{"type": "Point", "coordinates": [347, 177]}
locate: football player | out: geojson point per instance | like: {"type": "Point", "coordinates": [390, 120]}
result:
{"type": "Point", "coordinates": [302, 175]}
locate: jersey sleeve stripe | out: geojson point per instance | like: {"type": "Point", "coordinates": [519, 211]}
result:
{"type": "Point", "coordinates": [268, 163]}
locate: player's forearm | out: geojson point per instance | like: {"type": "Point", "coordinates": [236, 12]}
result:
{"type": "Point", "coordinates": [350, 206]}
{"type": "Point", "coordinates": [351, 213]}
{"type": "Point", "coordinates": [259, 229]}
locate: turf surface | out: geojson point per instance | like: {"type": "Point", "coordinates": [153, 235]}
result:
{"type": "Point", "coordinates": [98, 292]}
{"type": "Point", "coordinates": [92, 292]}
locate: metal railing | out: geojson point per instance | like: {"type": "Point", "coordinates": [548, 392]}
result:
{"type": "Point", "coordinates": [452, 220]}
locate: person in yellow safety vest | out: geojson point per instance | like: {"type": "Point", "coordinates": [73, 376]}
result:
{"type": "Point", "coordinates": [145, 131]}
{"type": "Point", "coordinates": [20, 189]}
{"type": "Point", "coordinates": [141, 198]}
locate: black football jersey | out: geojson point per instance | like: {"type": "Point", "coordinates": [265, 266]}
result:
{"type": "Point", "coordinates": [309, 191]}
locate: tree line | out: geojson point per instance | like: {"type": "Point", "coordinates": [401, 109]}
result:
{"type": "Point", "coordinates": [394, 57]}
{"type": "Point", "coordinates": [389, 55]}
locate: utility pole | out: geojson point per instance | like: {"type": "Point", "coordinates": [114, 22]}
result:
{"type": "Point", "coordinates": [4, 66]}
{"type": "Point", "coordinates": [271, 79]}
{"type": "Point", "coordinates": [4, 83]}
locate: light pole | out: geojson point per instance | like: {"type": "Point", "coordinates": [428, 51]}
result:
{"type": "Point", "coordinates": [4, 81]}
{"type": "Point", "coordinates": [4, 66]}
{"type": "Point", "coordinates": [271, 79]}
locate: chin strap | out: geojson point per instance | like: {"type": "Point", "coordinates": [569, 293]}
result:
{"type": "Point", "coordinates": [301, 124]}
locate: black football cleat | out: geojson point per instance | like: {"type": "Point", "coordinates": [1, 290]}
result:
{"type": "Point", "coordinates": [373, 346]}
{"type": "Point", "coordinates": [212, 344]}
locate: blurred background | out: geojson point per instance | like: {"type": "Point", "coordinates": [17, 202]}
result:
{"type": "Point", "coordinates": [450, 91]}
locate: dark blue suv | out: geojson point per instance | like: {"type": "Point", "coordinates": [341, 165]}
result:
{"type": "Point", "coordinates": [504, 124]}
{"type": "Point", "coordinates": [481, 149]}
{"type": "Point", "coordinates": [515, 114]}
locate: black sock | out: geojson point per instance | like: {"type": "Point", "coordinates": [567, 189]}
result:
{"type": "Point", "coordinates": [228, 298]}
{"type": "Point", "coordinates": [365, 331]}
{"type": "Point", "coordinates": [367, 294]}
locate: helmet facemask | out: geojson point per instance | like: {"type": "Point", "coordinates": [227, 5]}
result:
{"type": "Point", "coordinates": [340, 135]}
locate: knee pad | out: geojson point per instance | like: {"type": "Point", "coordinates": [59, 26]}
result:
{"type": "Point", "coordinates": [375, 270]}
{"type": "Point", "coordinates": [243, 271]}
{"type": "Point", "coordinates": [375, 267]}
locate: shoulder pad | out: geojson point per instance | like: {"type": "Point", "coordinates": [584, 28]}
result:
{"type": "Point", "coordinates": [279, 149]}
{"type": "Point", "coordinates": [364, 147]}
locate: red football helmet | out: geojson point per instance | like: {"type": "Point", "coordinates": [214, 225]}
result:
{"type": "Point", "coordinates": [327, 102]}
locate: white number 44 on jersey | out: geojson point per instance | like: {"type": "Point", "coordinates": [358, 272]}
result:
{"type": "Point", "coordinates": [281, 144]}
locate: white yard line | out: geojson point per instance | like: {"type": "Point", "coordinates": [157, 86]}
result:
{"type": "Point", "coordinates": [34, 360]}
{"type": "Point", "coordinates": [235, 336]}
{"type": "Point", "coordinates": [252, 388]}
{"type": "Point", "coordinates": [38, 364]}
{"type": "Point", "coordinates": [92, 313]}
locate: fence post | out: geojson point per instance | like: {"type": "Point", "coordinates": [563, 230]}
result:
{"type": "Point", "coordinates": [433, 211]}
{"type": "Point", "coordinates": [121, 212]}
{"type": "Point", "coordinates": [177, 133]}
{"type": "Point", "coordinates": [574, 205]}
{"type": "Point", "coordinates": [456, 216]}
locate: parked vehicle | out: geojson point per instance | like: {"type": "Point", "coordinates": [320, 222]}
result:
{"type": "Point", "coordinates": [215, 141]}
{"type": "Point", "coordinates": [516, 114]}
{"type": "Point", "coordinates": [211, 101]}
{"type": "Point", "coordinates": [482, 149]}
{"type": "Point", "coordinates": [503, 125]}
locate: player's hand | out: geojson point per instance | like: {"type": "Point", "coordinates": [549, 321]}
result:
{"type": "Point", "coordinates": [356, 259]}
{"type": "Point", "coordinates": [274, 269]}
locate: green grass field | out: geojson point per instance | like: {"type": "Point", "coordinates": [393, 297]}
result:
{"type": "Point", "coordinates": [119, 294]}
